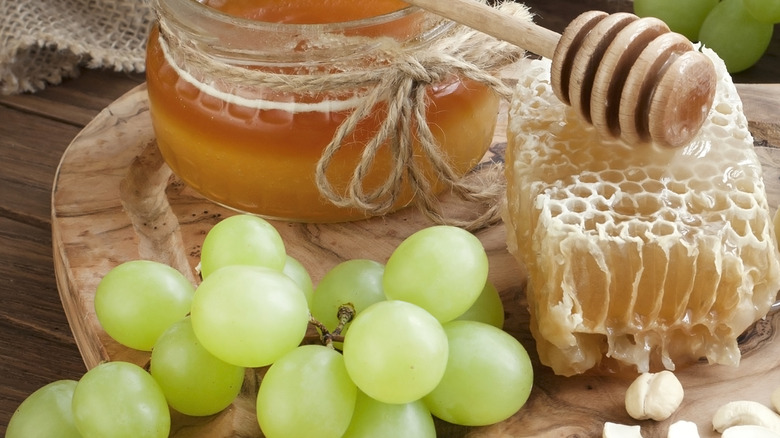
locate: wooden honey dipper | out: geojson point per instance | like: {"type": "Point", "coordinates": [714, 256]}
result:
{"type": "Point", "coordinates": [630, 77]}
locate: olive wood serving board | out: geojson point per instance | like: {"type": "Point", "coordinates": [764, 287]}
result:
{"type": "Point", "coordinates": [114, 200]}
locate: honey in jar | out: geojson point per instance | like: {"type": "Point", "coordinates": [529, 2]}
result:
{"type": "Point", "coordinates": [255, 147]}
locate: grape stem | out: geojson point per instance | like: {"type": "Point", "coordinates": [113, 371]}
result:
{"type": "Point", "coordinates": [345, 314]}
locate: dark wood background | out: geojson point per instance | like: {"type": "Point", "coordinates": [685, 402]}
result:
{"type": "Point", "coordinates": [36, 344]}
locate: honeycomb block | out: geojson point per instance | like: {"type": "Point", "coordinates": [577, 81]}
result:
{"type": "Point", "coordinates": [647, 256]}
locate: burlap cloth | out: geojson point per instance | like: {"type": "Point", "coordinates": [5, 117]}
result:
{"type": "Point", "coordinates": [44, 41]}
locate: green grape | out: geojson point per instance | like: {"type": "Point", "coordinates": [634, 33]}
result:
{"type": "Point", "coordinates": [120, 400]}
{"type": "Point", "coordinates": [138, 300]}
{"type": "Point", "coordinates": [738, 38]}
{"type": "Point", "coordinates": [193, 380]}
{"type": "Point", "coordinates": [249, 316]}
{"type": "Point", "coordinates": [682, 16]}
{"type": "Point", "coordinates": [488, 308]}
{"type": "Point", "coordinates": [306, 393]}
{"type": "Point", "coordinates": [765, 11]}
{"type": "Point", "coordinates": [374, 419]}
{"type": "Point", "coordinates": [45, 413]}
{"type": "Point", "coordinates": [357, 281]}
{"type": "Point", "coordinates": [242, 240]}
{"type": "Point", "coordinates": [441, 269]}
{"type": "Point", "coordinates": [488, 378]}
{"type": "Point", "coordinates": [295, 270]}
{"type": "Point", "coordinates": [395, 351]}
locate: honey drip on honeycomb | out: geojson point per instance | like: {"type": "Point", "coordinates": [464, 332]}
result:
{"type": "Point", "coordinates": [651, 257]}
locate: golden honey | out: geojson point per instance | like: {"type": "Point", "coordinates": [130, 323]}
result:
{"type": "Point", "coordinates": [255, 148]}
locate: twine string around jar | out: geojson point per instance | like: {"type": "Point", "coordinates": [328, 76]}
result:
{"type": "Point", "coordinates": [400, 82]}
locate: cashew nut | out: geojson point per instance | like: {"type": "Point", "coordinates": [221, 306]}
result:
{"type": "Point", "coordinates": [776, 393]}
{"type": "Point", "coordinates": [683, 429]}
{"type": "Point", "coordinates": [654, 396]}
{"type": "Point", "coordinates": [744, 412]}
{"type": "Point", "coordinates": [615, 430]}
{"type": "Point", "coordinates": [749, 431]}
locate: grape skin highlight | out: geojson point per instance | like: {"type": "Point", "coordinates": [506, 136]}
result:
{"type": "Point", "coordinates": [194, 381]}
{"type": "Point", "coordinates": [306, 394]}
{"type": "Point", "coordinates": [682, 16]}
{"type": "Point", "coordinates": [374, 419]}
{"type": "Point", "coordinates": [45, 413]}
{"type": "Point", "coordinates": [120, 400]}
{"type": "Point", "coordinates": [249, 316]}
{"type": "Point", "coordinates": [242, 240]}
{"type": "Point", "coordinates": [442, 269]}
{"type": "Point", "coordinates": [738, 38]}
{"type": "Point", "coordinates": [395, 351]}
{"type": "Point", "coordinates": [765, 11]}
{"type": "Point", "coordinates": [489, 376]}
{"type": "Point", "coordinates": [136, 301]}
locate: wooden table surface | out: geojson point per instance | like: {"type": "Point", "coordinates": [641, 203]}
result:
{"type": "Point", "coordinates": [36, 344]}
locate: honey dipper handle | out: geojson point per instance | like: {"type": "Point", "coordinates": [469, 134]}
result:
{"type": "Point", "coordinates": [479, 16]}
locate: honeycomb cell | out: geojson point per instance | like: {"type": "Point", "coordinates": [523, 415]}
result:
{"type": "Point", "coordinates": [723, 108]}
{"type": "Point", "coordinates": [586, 179]}
{"type": "Point", "coordinates": [606, 190]}
{"type": "Point", "coordinates": [742, 201]}
{"type": "Point", "coordinates": [582, 191]}
{"type": "Point", "coordinates": [631, 188]}
{"type": "Point", "coordinates": [577, 204]}
{"type": "Point", "coordinates": [635, 174]}
{"type": "Point", "coordinates": [653, 186]}
{"type": "Point", "coordinates": [648, 204]}
{"type": "Point", "coordinates": [571, 219]}
{"type": "Point", "coordinates": [722, 121]}
{"type": "Point", "coordinates": [678, 187]}
{"type": "Point", "coordinates": [613, 176]}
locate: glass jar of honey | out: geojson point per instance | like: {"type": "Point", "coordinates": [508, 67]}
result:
{"type": "Point", "coordinates": [247, 96]}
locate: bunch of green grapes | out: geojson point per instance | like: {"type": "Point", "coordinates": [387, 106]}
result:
{"type": "Point", "coordinates": [423, 338]}
{"type": "Point", "coordinates": [739, 31]}
{"type": "Point", "coordinates": [114, 399]}
{"type": "Point", "coordinates": [416, 337]}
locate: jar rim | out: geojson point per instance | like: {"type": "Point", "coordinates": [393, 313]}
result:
{"type": "Point", "coordinates": [209, 12]}
{"type": "Point", "coordinates": [248, 42]}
